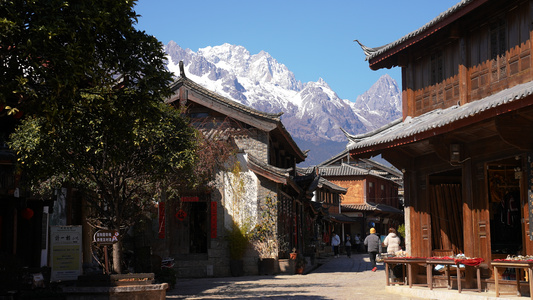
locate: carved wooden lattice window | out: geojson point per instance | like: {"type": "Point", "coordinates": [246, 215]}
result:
{"type": "Point", "coordinates": [498, 46]}
{"type": "Point", "coordinates": [437, 67]}
{"type": "Point", "coordinates": [498, 38]}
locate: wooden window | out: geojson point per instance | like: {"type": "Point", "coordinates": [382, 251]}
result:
{"type": "Point", "coordinates": [498, 38]}
{"type": "Point", "coordinates": [437, 67]}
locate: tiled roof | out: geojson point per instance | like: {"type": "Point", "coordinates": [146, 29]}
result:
{"type": "Point", "coordinates": [223, 100]}
{"type": "Point", "coordinates": [324, 182]}
{"type": "Point", "coordinates": [341, 218]}
{"type": "Point", "coordinates": [373, 52]}
{"type": "Point", "coordinates": [303, 172]}
{"type": "Point", "coordinates": [347, 170]}
{"type": "Point", "coordinates": [246, 112]}
{"type": "Point", "coordinates": [438, 118]}
{"type": "Point", "coordinates": [276, 174]}
{"type": "Point", "coordinates": [369, 206]}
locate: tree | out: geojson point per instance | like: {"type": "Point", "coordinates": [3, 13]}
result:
{"type": "Point", "coordinates": [92, 89]}
{"type": "Point", "coordinates": [52, 51]}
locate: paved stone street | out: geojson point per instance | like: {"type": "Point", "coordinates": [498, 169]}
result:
{"type": "Point", "coordinates": [336, 278]}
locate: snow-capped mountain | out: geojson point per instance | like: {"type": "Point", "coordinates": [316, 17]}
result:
{"type": "Point", "coordinates": [312, 111]}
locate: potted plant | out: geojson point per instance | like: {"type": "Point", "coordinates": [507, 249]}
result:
{"type": "Point", "coordinates": [265, 239]}
{"type": "Point", "coordinates": [238, 243]}
{"type": "Point", "coordinates": [299, 264]}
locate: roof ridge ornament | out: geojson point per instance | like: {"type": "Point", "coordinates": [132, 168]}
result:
{"type": "Point", "coordinates": [182, 69]}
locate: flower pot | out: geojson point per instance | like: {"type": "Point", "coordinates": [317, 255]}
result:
{"type": "Point", "coordinates": [286, 266]}
{"type": "Point", "coordinates": [267, 266]}
{"type": "Point", "coordinates": [236, 267]}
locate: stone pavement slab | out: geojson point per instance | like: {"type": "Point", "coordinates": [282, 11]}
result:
{"type": "Point", "coordinates": [335, 278]}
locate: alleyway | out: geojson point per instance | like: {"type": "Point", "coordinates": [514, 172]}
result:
{"type": "Point", "coordinates": [337, 278]}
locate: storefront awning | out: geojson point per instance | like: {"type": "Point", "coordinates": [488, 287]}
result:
{"type": "Point", "coordinates": [340, 218]}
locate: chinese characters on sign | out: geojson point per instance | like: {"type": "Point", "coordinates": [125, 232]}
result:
{"type": "Point", "coordinates": [106, 237]}
{"type": "Point", "coordinates": [65, 249]}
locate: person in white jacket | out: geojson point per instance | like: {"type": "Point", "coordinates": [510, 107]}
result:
{"type": "Point", "coordinates": [335, 242]}
{"type": "Point", "coordinates": [392, 242]}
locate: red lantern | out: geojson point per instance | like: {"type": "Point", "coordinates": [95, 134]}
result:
{"type": "Point", "coordinates": [27, 213]}
{"type": "Point", "coordinates": [18, 115]}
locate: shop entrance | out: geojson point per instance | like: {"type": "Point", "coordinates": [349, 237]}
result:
{"type": "Point", "coordinates": [504, 207]}
{"type": "Point", "coordinates": [446, 210]}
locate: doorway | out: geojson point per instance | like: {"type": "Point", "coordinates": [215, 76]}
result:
{"type": "Point", "coordinates": [446, 210]}
{"type": "Point", "coordinates": [504, 207]}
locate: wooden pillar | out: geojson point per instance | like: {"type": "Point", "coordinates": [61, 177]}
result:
{"type": "Point", "coordinates": [467, 195]}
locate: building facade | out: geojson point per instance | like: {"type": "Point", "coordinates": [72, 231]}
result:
{"type": "Point", "coordinates": [262, 166]}
{"type": "Point", "coordinates": [464, 142]}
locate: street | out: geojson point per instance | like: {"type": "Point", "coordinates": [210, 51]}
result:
{"type": "Point", "coordinates": [336, 278]}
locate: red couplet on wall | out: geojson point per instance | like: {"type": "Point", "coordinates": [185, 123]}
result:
{"type": "Point", "coordinates": [190, 199]}
{"type": "Point", "coordinates": [161, 213]}
{"type": "Point", "coordinates": [213, 219]}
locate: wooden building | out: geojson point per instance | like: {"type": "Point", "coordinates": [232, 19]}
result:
{"type": "Point", "coordinates": [323, 215]}
{"type": "Point", "coordinates": [372, 198]}
{"type": "Point", "coordinates": [464, 142]}
{"type": "Point", "coordinates": [265, 161]}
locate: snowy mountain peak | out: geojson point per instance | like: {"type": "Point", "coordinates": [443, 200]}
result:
{"type": "Point", "coordinates": [312, 111]}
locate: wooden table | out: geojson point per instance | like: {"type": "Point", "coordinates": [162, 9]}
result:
{"type": "Point", "coordinates": [395, 261]}
{"type": "Point", "coordinates": [406, 262]}
{"type": "Point", "coordinates": [516, 265]}
{"type": "Point", "coordinates": [449, 262]}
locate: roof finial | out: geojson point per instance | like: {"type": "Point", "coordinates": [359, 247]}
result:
{"type": "Point", "coordinates": [182, 70]}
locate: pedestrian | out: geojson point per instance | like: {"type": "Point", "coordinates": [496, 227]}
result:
{"type": "Point", "coordinates": [335, 242]}
{"type": "Point", "coordinates": [392, 242]}
{"type": "Point", "coordinates": [357, 239]}
{"type": "Point", "coordinates": [348, 245]}
{"type": "Point", "coordinates": [373, 247]}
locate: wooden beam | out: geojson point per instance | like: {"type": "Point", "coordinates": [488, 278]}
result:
{"type": "Point", "coordinates": [441, 148]}
{"type": "Point", "coordinates": [515, 130]}
{"type": "Point", "coordinates": [398, 157]}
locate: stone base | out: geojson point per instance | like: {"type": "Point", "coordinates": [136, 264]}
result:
{"type": "Point", "coordinates": [130, 292]}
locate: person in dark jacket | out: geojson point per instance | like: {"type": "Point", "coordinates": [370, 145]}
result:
{"type": "Point", "coordinates": [373, 247]}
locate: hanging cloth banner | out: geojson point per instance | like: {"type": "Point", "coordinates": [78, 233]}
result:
{"type": "Point", "coordinates": [161, 220]}
{"type": "Point", "coordinates": [529, 170]}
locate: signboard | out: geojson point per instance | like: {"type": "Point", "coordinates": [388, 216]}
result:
{"type": "Point", "coordinates": [65, 252]}
{"type": "Point", "coordinates": [105, 237]}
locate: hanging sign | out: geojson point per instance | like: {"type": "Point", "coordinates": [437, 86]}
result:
{"type": "Point", "coordinates": [105, 237]}
{"type": "Point", "coordinates": [181, 215]}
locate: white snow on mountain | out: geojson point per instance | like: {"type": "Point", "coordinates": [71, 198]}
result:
{"type": "Point", "coordinates": [312, 111]}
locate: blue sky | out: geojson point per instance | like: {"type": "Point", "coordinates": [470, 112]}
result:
{"type": "Point", "coordinates": [314, 39]}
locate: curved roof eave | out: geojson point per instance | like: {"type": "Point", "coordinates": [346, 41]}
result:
{"type": "Point", "coordinates": [379, 54]}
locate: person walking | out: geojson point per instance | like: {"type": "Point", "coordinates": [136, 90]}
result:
{"type": "Point", "coordinates": [357, 239]}
{"type": "Point", "coordinates": [348, 245]}
{"type": "Point", "coordinates": [335, 242]}
{"type": "Point", "coordinates": [392, 242]}
{"type": "Point", "coordinates": [373, 247]}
